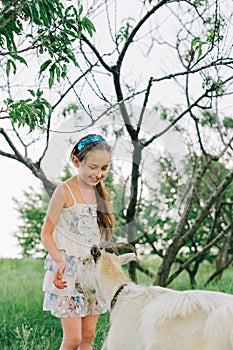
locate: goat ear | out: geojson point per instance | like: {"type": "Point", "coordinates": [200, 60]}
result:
{"type": "Point", "coordinates": [95, 252]}
{"type": "Point", "coordinates": [125, 258]}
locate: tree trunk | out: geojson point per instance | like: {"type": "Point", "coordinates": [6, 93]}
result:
{"type": "Point", "coordinates": [222, 259]}
{"type": "Point", "coordinates": [38, 172]}
{"type": "Point", "coordinates": [137, 154]}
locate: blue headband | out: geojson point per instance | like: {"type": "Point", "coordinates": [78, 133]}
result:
{"type": "Point", "coordinates": [87, 140]}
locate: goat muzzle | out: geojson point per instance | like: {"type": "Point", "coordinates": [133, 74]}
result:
{"type": "Point", "coordinates": [95, 252]}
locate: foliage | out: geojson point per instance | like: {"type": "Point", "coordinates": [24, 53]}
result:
{"type": "Point", "coordinates": [32, 210]}
{"type": "Point", "coordinates": [218, 217]}
{"type": "Point", "coordinates": [31, 112]}
{"type": "Point", "coordinates": [125, 30]}
{"type": "Point", "coordinates": [50, 29]}
{"type": "Point", "coordinates": [228, 123]}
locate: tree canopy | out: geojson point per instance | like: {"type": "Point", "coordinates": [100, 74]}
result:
{"type": "Point", "coordinates": [49, 29]}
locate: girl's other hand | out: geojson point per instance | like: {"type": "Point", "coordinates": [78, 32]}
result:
{"type": "Point", "coordinates": [58, 282]}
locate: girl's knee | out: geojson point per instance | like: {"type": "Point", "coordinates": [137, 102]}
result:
{"type": "Point", "coordinates": [72, 342]}
{"type": "Point", "coordinates": [88, 335]}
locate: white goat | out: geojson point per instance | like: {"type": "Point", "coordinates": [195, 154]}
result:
{"type": "Point", "coordinates": [155, 318]}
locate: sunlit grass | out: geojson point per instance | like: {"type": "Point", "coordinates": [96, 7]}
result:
{"type": "Point", "coordinates": [23, 323]}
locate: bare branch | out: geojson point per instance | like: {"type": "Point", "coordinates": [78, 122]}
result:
{"type": "Point", "coordinates": [219, 271]}
{"type": "Point", "coordinates": [188, 109]}
{"type": "Point", "coordinates": [31, 47]}
{"type": "Point", "coordinates": [72, 86]}
{"type": "Point", "coordinates": [96, 52]}
{"type": "Point", "coordinates": [147, 236]}
{"type": "Point", "coordinates": [18, 155]}
{"type": "Point", "coordinates": [6, 117]}
{"type": "Point", "coordinates": [120, 99]}
{"type": "Point", "coordinates": [136, 29]}
{"type": "Point", "coordinates": [8, 155]}
{"type": "Point", "coordinates": [144, 105]}
{"type": "Point", "coordinates": [219, 62]}
{"type": "Point", "coordinates": [176, 119]}
{"type": "Point", "coordinates": [203, 251]}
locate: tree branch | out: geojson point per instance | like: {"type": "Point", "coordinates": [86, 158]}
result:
{"type": "Point", "coordinates": [145, 270]}
{"type": "Point", "coordinates": [197, 255]}
{"type": "Point", "coordinates": [18, 155]}
{"type": "Point", "coordinates": [136, 29]}
{"type": "Point", "coordinates": [219, 62]}
{"type": "Point", "coordinates": [219, 271]}
{"type": "Point", "coordinates": [176, 120]}
{"type": "Point", "coordinates": [188, 109]}
{"type": "Point", "coordinates": [96, 52]}
{"type": "Point", "coordinates": [144, 105]}
{"type": "Point", "coordinates": [72, 86]}
{"type": "Point", "coordinates": [122, 106]}
{"type": "Point", "coordinates": [180, 240]}
{"type": "Point", "coordinates": [49, 186]}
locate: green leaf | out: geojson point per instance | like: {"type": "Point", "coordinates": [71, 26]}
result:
{"type": "Point", "coordinates": [44, 66]}
{"type": "Point", "coordinates": [8, 67]}
{"type": "Point", "coordinates": [20, 59]}
{"type": "Point", "coordinates": [32, 92]}
{"type": "Point", "coordinates": [195, 41]}
{"type": "Point", "coordinates": [228, 123]}
{"type": "Point", "coordinates": [80, 10]}
{"type": "Point", "coordinates": [73, 34]}
{"type": "Point", "coordinates": [64, 71]}
{"type": "Point", "coordinates": [199, 50]}
{"type": "Point", "coordinates": [58, 73]}
{"type": "Point", "coordinates": [51, 77]}
{"type": "Point", "coordinates": [39, 93]}
{"type": "Point", "coordinates": [88, 25]}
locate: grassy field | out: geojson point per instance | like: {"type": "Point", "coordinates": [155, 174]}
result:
{"type": "Point", "coordinates": [23, 324]}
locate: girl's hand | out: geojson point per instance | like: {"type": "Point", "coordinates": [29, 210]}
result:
{"type": "Point", "coordinates": [58, 282]}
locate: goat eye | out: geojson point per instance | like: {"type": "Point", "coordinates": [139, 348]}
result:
{"type": "Point", "coordinates": [86, 261]}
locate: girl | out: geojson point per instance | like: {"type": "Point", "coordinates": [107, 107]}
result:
{"type": "Point", "coordinates": [78, 216]}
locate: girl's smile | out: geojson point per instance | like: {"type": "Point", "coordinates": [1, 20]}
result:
{"type": "Point", "coordinates": [94, 167]}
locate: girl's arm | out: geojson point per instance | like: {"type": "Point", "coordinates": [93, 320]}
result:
{"type": "Point", "coordinates": [55, 207]}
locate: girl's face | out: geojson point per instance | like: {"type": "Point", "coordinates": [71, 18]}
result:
{"type": "Point", "coordinates": [94, 167]}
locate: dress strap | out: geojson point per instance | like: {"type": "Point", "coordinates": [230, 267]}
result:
{"type": "Point", "coordinates": [71, 193]}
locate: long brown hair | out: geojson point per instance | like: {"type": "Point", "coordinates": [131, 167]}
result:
{"type": "Point", "coordinates": [105, 218]}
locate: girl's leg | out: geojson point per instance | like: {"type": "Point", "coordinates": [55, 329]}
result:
{"type": "Point", "coordinates": [71, 333]}
{"type": "Point", "coordinates": [88, 332]}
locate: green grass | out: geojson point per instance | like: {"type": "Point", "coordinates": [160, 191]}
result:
{"type": "Point", "coordinates": [23, 323]}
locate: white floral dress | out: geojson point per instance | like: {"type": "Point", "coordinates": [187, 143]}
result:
{"type": "Point", "coordinates": [75, 232]}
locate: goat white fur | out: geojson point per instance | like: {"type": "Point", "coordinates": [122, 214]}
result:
{"type": "Point", "coordinates": [156, 318]}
